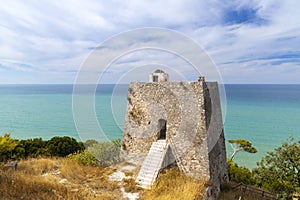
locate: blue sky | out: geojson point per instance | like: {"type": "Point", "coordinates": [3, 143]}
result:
{"type": "Point", "coordinates": [249, 41]}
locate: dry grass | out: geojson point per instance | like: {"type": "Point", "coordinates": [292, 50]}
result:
{"type": "Point", "coordinates": [172, 185]}
{"type": "Point", "coordinates": [130, 185]}
{"type": "Point", "coordinates": [128, 173]}
{"type": "Point", "coordinates": [39, 179]}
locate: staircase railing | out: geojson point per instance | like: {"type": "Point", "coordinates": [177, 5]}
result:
{"type": "Point", "coordinates": [177, 157]}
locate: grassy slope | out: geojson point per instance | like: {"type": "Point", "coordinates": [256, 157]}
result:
{"type": "Point", "coordinates": [39, 179]}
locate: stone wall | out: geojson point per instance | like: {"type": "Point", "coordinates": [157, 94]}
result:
{"type": "Point", "coordinates": [215, 140]}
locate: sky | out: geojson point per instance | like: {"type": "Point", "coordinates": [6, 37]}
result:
{"type": "Point", "coordinates": [48, 42]}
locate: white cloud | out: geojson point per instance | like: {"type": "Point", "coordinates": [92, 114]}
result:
{"type": "Point", "coordinates": [57, 36]}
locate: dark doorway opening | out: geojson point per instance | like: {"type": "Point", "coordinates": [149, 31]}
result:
{"type": "Point", "coordinates": [162, 128]}
{"type": "Point", "coordinates": [155, 79]}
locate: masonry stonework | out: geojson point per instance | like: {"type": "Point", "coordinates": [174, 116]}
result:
{"type": "Point", "coordinates": [194, 130]}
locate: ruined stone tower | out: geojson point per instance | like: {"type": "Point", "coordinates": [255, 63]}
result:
{"type": "Point", "coordinates": [183, 116]}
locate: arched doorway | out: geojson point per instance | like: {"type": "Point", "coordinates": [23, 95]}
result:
{"type": "Point", "coordinates": [162, 129]}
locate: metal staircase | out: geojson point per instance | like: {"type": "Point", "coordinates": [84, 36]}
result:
{"type": "Point", "coordinates": [152, 164]}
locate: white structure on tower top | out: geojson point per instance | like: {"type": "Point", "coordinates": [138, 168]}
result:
{"type": "Point", "coordinates": [158, 76]}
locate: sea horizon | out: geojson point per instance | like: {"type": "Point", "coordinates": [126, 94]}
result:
{"type": "Point", "coordinates": [264, 114]}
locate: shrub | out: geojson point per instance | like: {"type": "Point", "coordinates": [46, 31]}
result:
{"type": "Point", "coordinates": [30, 148]}
{"type": "Point", "coordinates": [90, 143]}
{"type": "Point", "coordinates": [63, 146]}
{"type": "Point", "coordinates": [106, 153]}
{"type": "Point", "coordinates": [17, 149]}
{"type": "Point", "coordinates": [103, 153]}
{"type": "Point", "coordinates": [239, 174]}
{"type": "Point", "coordinates": [7, 145]}
{"type": "Point", "coordinates": [279, 171]}
{"type": "Point", "coordinates": [84, 158]}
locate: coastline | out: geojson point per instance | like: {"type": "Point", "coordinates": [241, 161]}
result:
{"type": "Point", "coordinates": [266, 115]}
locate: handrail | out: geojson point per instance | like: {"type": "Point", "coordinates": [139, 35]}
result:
{"type": "Point", "coordinates": [177, 157]}
{"type": "Point", "coordinates": [249, 188]}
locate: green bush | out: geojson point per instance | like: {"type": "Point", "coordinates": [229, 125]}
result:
{"type": "Point", "coordinates": [63, 146]}
{"type": "Point", "coordinates": [107, 153]}
{"type": "Point", "coordinates": [84, 158]}
{"type": "Point", "coordinates": [278, 171]}
{"type": "Point", "coordinates": [7, 145]}
{"type": "Point", "coordinates": [19, 149]}
{"type": "Point", "coordinates": [30, 148]}
{"type": "Point", "coordinates": [102, 153]}
{"type": "Point", "coordinates": [90, 143]}
{"type": "Point", "coordinates": [239, 174]}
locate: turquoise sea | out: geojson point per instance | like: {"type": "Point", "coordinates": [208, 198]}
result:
{"type": "Point", "coordinates": [266, 115]}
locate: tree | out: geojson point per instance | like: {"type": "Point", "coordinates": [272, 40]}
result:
{"type": "Point", "coordinates": [241, 145]}
{"type": "Point", "coordinates": [7, 145]}
{"type": "Point", "coordinates": [279, 171]}
{"type": "Point", "coordinates": [57, 146]}
{"type": "Point", "coordinates": [30, 148]}
{"type": "Point", "coordinates": [63, 146]}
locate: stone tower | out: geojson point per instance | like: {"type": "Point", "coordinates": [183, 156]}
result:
{"type": "Point", "coordinates": [187, 116]}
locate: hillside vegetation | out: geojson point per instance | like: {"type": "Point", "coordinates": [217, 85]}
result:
{"type": "Point", "coordinates": [57, 178]}
{"type": "Point", "coordinates": [62, 168]}
{"type": "Point", "coordinates": [62, 178]}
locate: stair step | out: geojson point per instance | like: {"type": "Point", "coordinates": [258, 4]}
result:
{"type": "Point", "coordinates": [148, 171]}
{"type": "Point", "coordinates": [152, 164]}
{"type": "Point", "coordinates": [155, 162]}
{"type": "Point", "coordinates": [156, 150]}
{"type": "Point", "coordinates": [153, 158]}
{"type": "Point", "coordinates": [155, 154]}
{"type": "Point", "coordinates": [160, 149]}
{"type": "Point", "coordinates": [159, 144]}
{"type": "Point", "coordinates": [144, 178]}
{"type": "Point", "coordinates": [147, 174]}
{"type": "Point", "coordinates": [145, 186]}
{"type": "Point", "coordinates": [145, 183]}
